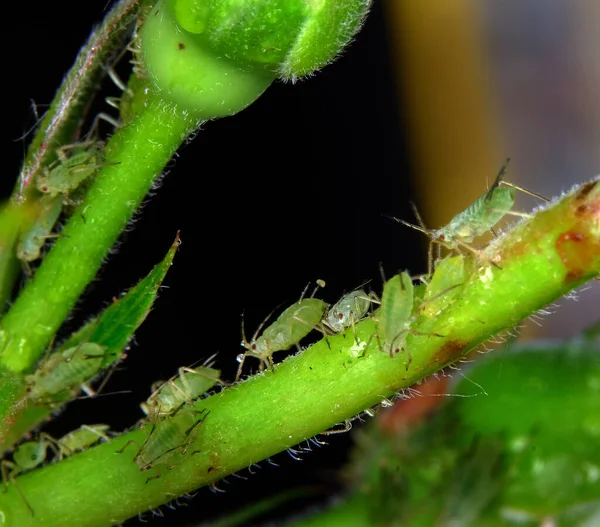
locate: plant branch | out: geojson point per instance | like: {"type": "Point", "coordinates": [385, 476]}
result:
{"type": "Point", "coordinates": [540, 259]}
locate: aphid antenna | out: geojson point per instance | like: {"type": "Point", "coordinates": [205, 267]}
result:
{"type": "Point", "coordinates": [320, 284]}
{"type": "Point", "coordinates": [95, 394]}
{"type": "Point", "coordinates": [38, 119]}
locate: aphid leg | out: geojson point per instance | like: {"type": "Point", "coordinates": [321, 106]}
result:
{"type": "Point", "coordinates": [476, 252]}
{"type": "Point", "coordinates": [333, 431]}
{"type": "Point", "coordinates": [131, 442]}
{"type": "Point", "coordinates": [190, 433]}
{"type": "Point", "coordinates": [241, 358]}
{"type": "Point", "coordinates": [9, 470]}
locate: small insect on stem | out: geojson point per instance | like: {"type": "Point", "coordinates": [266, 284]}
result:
{"type": "Point", "coordinates": [445, 285]}
{"type": "Point", "coordinates": [32, 454]}
{"type": "Point", "coordinates": [168, 440]}
{"type": "Point", "coordinates": [185, 387]}
{"type": "Point", "coordinates": [477, 219]}
{"type": "Point", "coordinates": [394, 314]}
{"type": "Point", "coordinates": [398, 313]}
{"type": "Point", "coordinates": [75, 163]}
{"type": "Point", "coordinates": [57, 182]}
{"type": "Point", "coordinates": [348, 310]}
{"type": "Point", "coordinates": [291, 327]}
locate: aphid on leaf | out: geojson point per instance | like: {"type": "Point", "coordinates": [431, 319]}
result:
{"type": "Point", "coordinates": [32, 240]}
{"type": "Point", "coordinates": [347, 311]}
{"type": "Point", "coordinates": [189, 384]}
{"type": "Point", "coordinates": [65, 370]}
{"type": "Point", "coordinates": [31, 454]}
{"type": "Point", "coordinates": [168, 440]}
{"type": "Point", "coordinates": [291, 327]}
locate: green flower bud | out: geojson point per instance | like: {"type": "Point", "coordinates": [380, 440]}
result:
{"type": "Point", "coordinates": [215, 57]}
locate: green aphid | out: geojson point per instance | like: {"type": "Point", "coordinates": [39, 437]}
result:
{"type": "Point", "coordinates": [69, 171]}
{"type": "Point", "coordinates": [33, 239]}
{"type": "Point", "coordinates": [394, 315]}
{"type": "Point", "coordinates": [291, 327]}
{"type": "Point", "coordinates": [32, 454]}
{"type": "Point", "coordinates": [84, 437]}
{"type": "Point", "coordinates": [187, 386]}
{"type": "Point", "coordinates": [445, 285]}
{"type": "Point", "coordinates": [477, 219]}
{"type": "Point", "coordinates": [347, 311]}
{"type": "Point", "coordinates": [168, 442]}
{"type": "Point", "coordinates": [65, 370]}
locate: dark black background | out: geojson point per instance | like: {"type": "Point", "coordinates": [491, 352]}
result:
{"type": "Point", "coordinates": [293, 189]}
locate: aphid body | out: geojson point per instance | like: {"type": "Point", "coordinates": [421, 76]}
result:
{"type": "Point", "coordinates": [168, 439]}
{"type": "Point", "coordinates": [187, 386]}
{"type": "Point", "coordinates": [291, 327]}
{"type": "Point", "coordinates": [32, 240]}
{"type": "Point", "coordinates": [347, 311]}
{"type": "Point", "coordinates": [477, 219]}
{"type": "Point", "coordinates": [84, 437]}
{"type": "Point", "coordinates": [66, 370]}
{"type": "Point", "coordinates": [445, 285]}
{"type": "Point", "coordinates": [68, 172]}
{"type": "Point", "coordinates": [31, 454]}
{"type": "Point", "coordinates": [394, 315]}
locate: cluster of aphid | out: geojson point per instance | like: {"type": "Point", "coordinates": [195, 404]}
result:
{"type": "Point", "coordinates": [64, 181]}
{"type": "Point", "coordinates": [173, 419]}
{"type": "Point", "coordinates": [398, 308]}
{"type": "Point", "coordinates": [170, 410]}
{"type": "Point", "coordinates": [60, 185]}
{"type": "Point", "coordinates": [32, 454]}
{"type": "Point", "coordinates": [298, 320]}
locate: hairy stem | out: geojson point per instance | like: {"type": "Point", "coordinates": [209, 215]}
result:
{"type": "Point", "coordinates": [541, 259]}
{"type": "Point", "coordinates": [135, 156]}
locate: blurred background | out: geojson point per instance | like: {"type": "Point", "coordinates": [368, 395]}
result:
{"type": "Point", "coordinates": [424, 106]}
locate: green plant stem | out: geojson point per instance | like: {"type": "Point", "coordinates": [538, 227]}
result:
{"type": "Point", "coordinates": [543, 258]}
{"type": "Point", "coordinates": [62, 122]}
{"type": "Point", "coordinates": [135, 156]}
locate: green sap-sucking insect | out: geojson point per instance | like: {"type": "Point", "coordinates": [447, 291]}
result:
{"type": "Point", "coordinates": [188, 385]}
{"type": "Point", "coordinates": [65, 370]}
{"type": "Point", "coordinates": [444, 286]}
{"type": "Point", "coordinates": [31, 454]}
{"type": "Point", "coordinates": [477, 219]}
{"type": "Point", "coordinates": [347, 311]}
{"type": "Point", "coordinates": [70, 170]}
{"type": "Point", "coordinates": [169, 439]}
{"type": "Point", "coordinates": [33, 238]}
{"type": "Point", "coordinates": [291, 327]}
{"type": "Point", "coordinates": [394, 315]}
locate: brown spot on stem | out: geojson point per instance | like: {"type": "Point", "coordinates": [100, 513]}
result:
{"type": "Point", "coordinates": [180, 46]}
{"type": "Point", "coordinates": [584, 191]}
{"type": "Point", "coordinates": [577, 252]}
{"type": "Point", "coordinates": [449, 353]}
